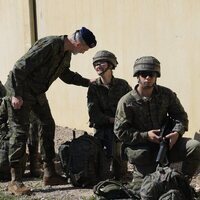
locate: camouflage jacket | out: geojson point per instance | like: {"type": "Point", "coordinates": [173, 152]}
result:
{"type": "Point", "coordinates": [102, 101]}
{"type": "Point", "coordinates": [44, 62]}
{"type": "Point", "coordinates": [135, 117]}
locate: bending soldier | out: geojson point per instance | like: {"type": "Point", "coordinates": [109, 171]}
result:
{"type": "Point", "coordinates": [31, 76]}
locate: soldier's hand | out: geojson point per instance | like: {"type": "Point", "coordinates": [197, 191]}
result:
{"type": "Point", "coordinates": [17, 102]}
{"type": "Point", "coordinates": [173, 137]}
{"type": "Point", "coordinates": [93, 80]}
{"type": "Point", "coordinates": [153, 136]}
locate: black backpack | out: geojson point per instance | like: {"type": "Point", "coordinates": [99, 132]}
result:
{"type": "Point", "coordinates": [166, 184]}
{"type": "Point", "coordinates": [84, 161]}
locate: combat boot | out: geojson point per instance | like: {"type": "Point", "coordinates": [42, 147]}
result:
{"type": "Point", "coordinates": [16, 186]}
{"type": "Point", "coordinates": [50, 176]}
{"type": "Point", "coordinates": [35, 166]}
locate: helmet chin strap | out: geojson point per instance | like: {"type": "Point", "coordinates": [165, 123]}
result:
{"type": "Point", "coordinates": [109, 67]}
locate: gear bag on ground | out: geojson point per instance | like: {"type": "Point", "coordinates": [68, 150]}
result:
{"type": "Point", "coordinates": [84, 161]}
{"type": "Point", "coordinates": [110, 189]}
{"type": "Point", "coordinates": [166, 184]}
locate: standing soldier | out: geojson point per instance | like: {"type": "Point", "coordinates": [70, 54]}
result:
{"type": "Point", "coordinates": [33, 140]}
{"type": "Point", "coordinates": [103, 96]}
{"type": "Point", "coordinates": [32, 75]}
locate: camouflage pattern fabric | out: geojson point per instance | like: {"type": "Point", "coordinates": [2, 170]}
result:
{"type": "Point", "coordinates": [172, 195]}
{"type": "Point", "coordinates": [136, 116]}
{"type": "Point", "coordinates": [161, 181]}
{"type": "Point", "coordinates": [4, 131]}
{"type": "Point", "coordinates": [5, 135]}
{"type": "Point", "coordinates": [4, 144]}
{"type": "Point", "coordinates": [110, 189]}
{"type": "Point", "coordinates": [41, 65]}
{"type": "Point", "coordinates": [30, 78]}
{"type": "Point", "coordinates": [102, 103]}
{"type": "Point", "coordinates": [34, 132]}
{"type": "Point", "coordinates": [20, 133]}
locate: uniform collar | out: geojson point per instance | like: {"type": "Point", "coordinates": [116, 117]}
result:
{"type": "Point", "coordinates": [138, 98]}
{"type": "Point", "coordinates": [99, 82]}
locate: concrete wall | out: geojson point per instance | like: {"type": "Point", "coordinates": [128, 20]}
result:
{"type": "Point", "coordinates": [168, 30]}
{"type": "Point", "coordinates": [15, 36]}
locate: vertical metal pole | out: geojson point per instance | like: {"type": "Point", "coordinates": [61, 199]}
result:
{"type": "Point", "coordinates": [33, 21]}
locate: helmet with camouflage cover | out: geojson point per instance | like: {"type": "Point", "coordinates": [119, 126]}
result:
{"type": "Point", "coordinates": [146, 63]}
{"type": "Point", "coordinates": [105, 56]}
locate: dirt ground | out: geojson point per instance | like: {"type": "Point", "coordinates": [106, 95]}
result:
{"type": "Point", "coordinates": [66, 192]}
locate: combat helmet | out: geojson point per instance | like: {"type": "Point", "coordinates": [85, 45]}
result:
{"type": "Point", "coordinates": [105, 56]}
{"type": "Point", "coordinates": [146, 63]}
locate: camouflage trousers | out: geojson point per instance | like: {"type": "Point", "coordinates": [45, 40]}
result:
{"type": "Point", "coordinates": [18, 123]}
{"type": "Point", "coordinates": [34, 132]}
{"type": "Point", "coordinates": [185, 150]}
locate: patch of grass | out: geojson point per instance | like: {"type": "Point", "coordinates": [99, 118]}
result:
{"type": "Point", "coordinates": [4, 196]}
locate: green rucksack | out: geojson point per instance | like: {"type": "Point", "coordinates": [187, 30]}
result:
{"type": "Point", "coordinates": [166, 184]}
{"type": "Point", "coordinates": [110, 189]}
{"type": "Point", "coordinates": [84, 161]}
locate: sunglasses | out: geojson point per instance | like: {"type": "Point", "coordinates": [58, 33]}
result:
{"type": "Point", "coordinates": [99, 63]}
{"type": "Point", "coordinates": [147, 73]}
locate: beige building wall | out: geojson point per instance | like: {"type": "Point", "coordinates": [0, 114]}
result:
{"type": "Point", "coordinates": [15, 33]}
{"type": "Point", "coordinates": [168, 30]}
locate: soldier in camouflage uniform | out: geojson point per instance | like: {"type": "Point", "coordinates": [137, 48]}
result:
{"type": "Point", "coordinates": [33, 139]}
{"type": "Point", "coordinates": [48, 59]}
{"type": "Point", "coordinates": [140, 115]}
{"type": "Point", "coordinates": [103, 96]}
{"type": "Point", "coordinates": [5, 135]}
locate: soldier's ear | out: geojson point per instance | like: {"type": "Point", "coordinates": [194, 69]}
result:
{"type": "Point", "coordinates": [78, 44]}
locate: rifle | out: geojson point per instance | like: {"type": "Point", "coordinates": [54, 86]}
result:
{"type": "Point", "coordinates": [161, 158]}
